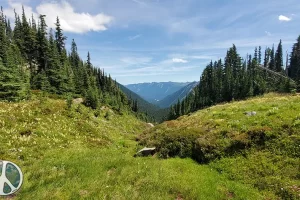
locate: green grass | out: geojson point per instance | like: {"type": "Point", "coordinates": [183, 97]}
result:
{"type": "Point", "coordinates": [113, 173]}
{"type": "Point", "coordinates": [80, 154]}
{"type": "Point", "coordinates": [261, 150]}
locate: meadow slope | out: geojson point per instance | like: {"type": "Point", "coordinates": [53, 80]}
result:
{"type": "Point", "coordinates": [262, 150]}
{"type": "Point", "coordinates": [80, 153]}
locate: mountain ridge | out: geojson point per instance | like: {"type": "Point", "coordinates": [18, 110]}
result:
{"type": "Point", "coordinates": [152, 110]}
{"type": "Point", "coordinates": [156, 91]}
{"type": "Point", "coordinates": [180, 94]}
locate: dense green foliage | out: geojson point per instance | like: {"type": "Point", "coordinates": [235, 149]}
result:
{"type": "Point", "coordinates": [294, 68]}
{"type": "Point", "coordinates": [33, 58]}
{"type": "Point", "coordinates": [262, 149]}
{"type": "Point", "coordinates": [13, 76]}
{"type": "Point", "coordinates": [74, 152]}
{"type": "Point", "coordinates": [236, 79]}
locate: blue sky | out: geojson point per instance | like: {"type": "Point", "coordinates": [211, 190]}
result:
{"type": "Point", "coordinates": [166, 40]}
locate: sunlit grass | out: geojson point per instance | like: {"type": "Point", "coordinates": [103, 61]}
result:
{"type": "Point", "coordinates": [261, 150]}
{"type": "Point", "coordinates": [112, 173]}
{"type": "Point", "coordinates": [80, 154]}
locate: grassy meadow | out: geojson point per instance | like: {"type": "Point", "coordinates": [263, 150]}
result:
{"type": "Point", "coordinates": [262, 150]}
{"type": "Point", "coordinates": [79, 153]}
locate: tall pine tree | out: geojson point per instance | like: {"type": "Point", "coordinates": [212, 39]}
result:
{"type": "Point", "coordinates": [279, 58]}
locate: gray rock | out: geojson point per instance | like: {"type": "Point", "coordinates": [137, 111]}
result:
{"type": "Point", "coordinates": [252, 113]}
{"type": "Point", "coordinates": [145, 152]}
{"type": "Point", "coordinates": [150, 125]}
{"type": "Point", "coordinates": [78, 101]}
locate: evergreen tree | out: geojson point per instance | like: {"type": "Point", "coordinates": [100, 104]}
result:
{"type": "Point", "coordinates": [232, 70]}
{"type": "Point", "coordinates": [17, 32]}
{"type": "Point", "coordinates": [27, 38]}
{"type": "Point", "coordinates": [3, 38]}
{"type": "Point", "coordinates": [91, 99]}
{"type": "Point", "coordinates": [42, 44]}
{"type": "Point", "coordinates": [33, 24]}
{"type": "Point", "coordinates": [172, 113]}
{"type": "Point", "coordinates": [33, 49]}
{"type": "Point", "coordinates": [272, 64]}
{"type": "Point", "coordinates": [178, 109]}
{"type": "Point", "coordinates": [294, 69]}
{"type": "Point", "coordinates": [279, 58]}
{"type": "Point", "coordinates": [9, 32]}
{"type": "Point", "coordinates": [250, 77]}
{"type": "Point", "coordinates": [11, 85]}
{"type": "Point", "coordinates": [68, 79]}
{"type": "Point", "coordinates": [256, 54]}
{"type": "Point", "coordinates": [53, 70]}
{"type": "Point", "coordinates": [88, 63]}
{"type": "Point", "coordinates": [74, 57]}
{"type": "Point", "coordinates": [60, 39]}
{"type": "Point", "coordinates": [267, 57]}
{"type": "Point", "coordinates": [259, 55]}
{"type": "Point", "coordinates": [77, 68]}
{"type": "Point", "coordinates": [219, 81]}
{"type": "Point", "coordinates": [135, 106]}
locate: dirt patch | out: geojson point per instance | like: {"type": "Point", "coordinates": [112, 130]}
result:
{"type": "Point", "coordinates": [111, 171]}
{"type": "Point", "coordinates": [83, 193]}
{"type": "Point", "coordinates": [179, 197]}
{"type": "Point", "coordinates": [230, 195]}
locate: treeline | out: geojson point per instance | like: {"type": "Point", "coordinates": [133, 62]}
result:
{"type": "Point", "coordinates": [236, 78]}
{"type": "Point", "coordinates": [33, 58]}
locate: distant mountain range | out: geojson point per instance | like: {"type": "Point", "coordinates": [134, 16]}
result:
{"type": "Point", "coordinates": [156, 98]}
{"type": "Point", "coordinates": [155, 92]}
{"type": "Point", "coordinates": [180, 94]}
{"type": "Point", "coordinates": [144, 106]}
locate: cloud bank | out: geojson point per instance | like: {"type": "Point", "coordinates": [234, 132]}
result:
{"type": "Point", "coordinates": [134, 37]}
{"type": "Point", "coordinates": [284, 18]}
{"type": "Point", "coordinates": [179, 60]}
{"type": "Point", "coordinates": [71, 21]}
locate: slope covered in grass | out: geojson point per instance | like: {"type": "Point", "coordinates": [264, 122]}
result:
{"type": "Point", "coordinates": [80, 153]}
{"type": "Point", "coordinates": [262, 150]}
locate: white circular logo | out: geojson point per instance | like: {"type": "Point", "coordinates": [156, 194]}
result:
{"type": "Point", "coordinates": [11, 178]}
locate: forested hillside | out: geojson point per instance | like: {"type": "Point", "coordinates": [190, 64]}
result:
{"type": "Point", "coordinates": [151, 112]}
{"type": "Point", "coordinates": [236, 78]}
{"type": "Point", "coordinates": [179, 95]}
{"type": "Point", "coordinates": [35, 58]}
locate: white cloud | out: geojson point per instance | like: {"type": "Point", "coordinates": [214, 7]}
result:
{"type": "Point", "coordinates": [179, 60]}
{"type": "Point", "coordinates": [9, 12]}
{"type": "Point", "coordinates": [70, 20]}
{"type": "Point", "coordinates": [268, 33]}
{"type": "Point", "coordinates": [153, 70]}
{"type": "Point", "coordinates": [140, 2]}
{"type": "Point", "coordinates": [136, 60]}
{"type": "Point", "coordinates": [284, 18]}
{"type": "Point", "coordinates": [193, 56]}
{"type": "Point", "coordinates": [134, 37]}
